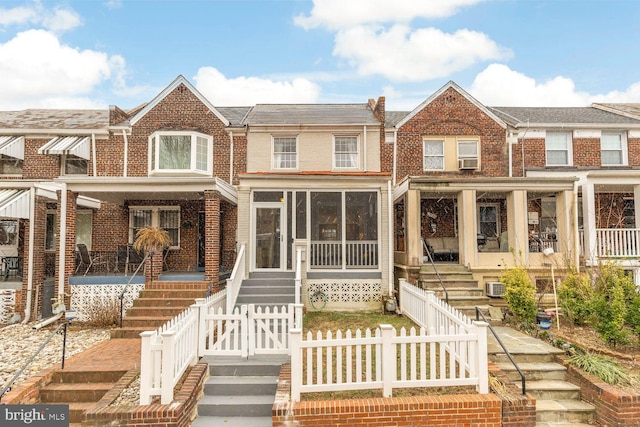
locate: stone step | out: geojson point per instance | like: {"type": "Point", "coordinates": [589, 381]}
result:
{"type": "Point", "coordinates": [68, 393]}
{"type": "Point", "coordinates": [234, 406]}
{"type": "Point", "coordinates": [266, 290]}
{"type": "Point", "coordinates": [174, 285]}
{"type": "Point", "coordinates": [534, 371]}
{"type": "Point", "coordinates": [163, 302]}
{"type": "Point", "coordinates": [461, 280]}
{"type": "Point", "coordinates": [498, 356]}
{"type": "Point", "coordinates": [551, 389]}
{"type": "Point", "coordinates": [127, 332]}
{"type": "Point", "coordinates": [232, 421]}
{"type": "Point", "coordinates": [466, 300]}
{"type": "Point", "coordinates": [78, 409]}
{"type": "Point", "coordinates": [244, 385]}
{"type": "Point", "coordinates": [564, 410]}
{"type": "Point", "coordinates": [458, 292]}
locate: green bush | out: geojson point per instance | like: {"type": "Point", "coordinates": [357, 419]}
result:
{"type": "Point", "coordinates": [605, 369]}
{"type": "Point", "coordinates": [574, 296]}
{"type": "Point", "coordinates": [520, 295]}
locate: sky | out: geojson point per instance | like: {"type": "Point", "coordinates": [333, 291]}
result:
{"type": "Point", "coordinates": [96, 53]}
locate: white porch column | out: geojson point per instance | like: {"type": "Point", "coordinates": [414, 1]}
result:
{"type": "Point", "coordinates": [564, 218]}
{"type": "Point", "coordinates": [589, 223]}
{"type": "Point", "coordinates": [467, 228]}
{"type": "Point", "coordinates": [414, 227]}
{"type": "Point", "coordinates": [636, 204]}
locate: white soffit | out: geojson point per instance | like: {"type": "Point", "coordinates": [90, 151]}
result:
{"type": "Point", "coordinates": [79, 146]}
{"type": "Point", "coordinates": [12, 146]}
{"type": "Point", "coordinates": [15, 203]}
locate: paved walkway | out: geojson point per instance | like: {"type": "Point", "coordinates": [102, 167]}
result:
{"type": "Point", "coordinates": [109, 355]}
{"type": "Point", "coordinates": [517, 342]}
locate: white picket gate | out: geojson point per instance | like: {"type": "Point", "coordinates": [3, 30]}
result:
{"type": "Point", "coordinates": [249, 330]}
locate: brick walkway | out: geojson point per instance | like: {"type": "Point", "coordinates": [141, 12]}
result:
{"type": "Point", "coordinates": [109, 355]}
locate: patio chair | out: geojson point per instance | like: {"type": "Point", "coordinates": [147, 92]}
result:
{"type": "Point", "coordinates": [86, 258]}
{"type": "Point", "coordinates": [134, 259]}
{"type": "Point", "coordinates": [12, 264]}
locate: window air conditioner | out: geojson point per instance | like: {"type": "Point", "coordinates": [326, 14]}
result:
{"type": "Point", "coordinates": [469, 163]}
{"type": "Point", "coordinates": [495, 289]}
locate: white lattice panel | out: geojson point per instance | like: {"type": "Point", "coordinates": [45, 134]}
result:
{"type": "Point", "coordinates": [7, 304]}
{"type": "Point", "coordinates": [354, 293]}
{"type": "Point", "coordinates": [85, 299]}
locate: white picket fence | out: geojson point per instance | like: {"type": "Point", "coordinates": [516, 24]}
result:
{"type": "Point", "coordinates": [167, 352]}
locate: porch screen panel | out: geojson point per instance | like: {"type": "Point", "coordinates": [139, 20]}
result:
{"type": "Point", "coordinates": [326, 230]}
{"type": "Point", "coordinates": [361, 230]}
{"type": "Point", "coordinates": [170, 221]}
{"type": "Point", "coordinates": [301, 215]}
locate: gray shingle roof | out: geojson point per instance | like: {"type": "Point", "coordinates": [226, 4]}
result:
{"type": "Point", "coordinates": [560, 115]}
{"type": "Point", "coordinates": [54, 119]}
{"type": "Point", "coordinates": [311, 114]}
{"type": "Point", "coordinates": [393, 117]}
{"type": "Point", "coordinates": [628, 109]}
{"type": "Point", "coordinates": [235, 115]}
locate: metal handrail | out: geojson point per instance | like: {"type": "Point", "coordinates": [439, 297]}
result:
{"type": "Point", "coordinates": [433, 264]}
{"type": "Point", "coordinates": [124, 290]}
{"type": "Point", "coordinates": [480, 314]}
{"type": "Point", "coordinates": [64, 325]}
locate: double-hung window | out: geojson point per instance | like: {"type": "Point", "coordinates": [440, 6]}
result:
{"type": "Point", "coordinates": [433, 155]}
{"type": "Point", "coordinates": [345, 149]}
{"type": "Point", "coordinates": [613, 150]}
{"type": "Point", "coordinates": [164, 217]}
{"type": "Point", "coordinates": [72, 165]}
{"type": "Point", "coordinates": [285, 152]}
{"type": "Point", "coordinates": [559, 148]}
{"type": "Point", "coordinates": [180, 153]}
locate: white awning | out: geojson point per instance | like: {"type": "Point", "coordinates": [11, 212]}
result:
{"type": "Point", "coordinates": [79, 146]}
{"type": "Point", "coordinates": [12, 146]}
{"type": "Point", "coordinates": [15, 203]}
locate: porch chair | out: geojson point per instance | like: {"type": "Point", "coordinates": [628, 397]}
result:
{"type": "Point", "coordinates": [134, 259]}
{"type": "Point", "coordinates": [12, 264]}
{"type": "Point", "coordinates": [87, 259]}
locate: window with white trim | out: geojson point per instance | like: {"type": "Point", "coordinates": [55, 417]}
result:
{"type": "Point", "coordinates": [164, 217]}
{"type": "Point", "coordinates": [345, 152]}
{"type": "Point", "coordinates": [285, 152]}
{"type": "Point", "coordinates": [613, 149]}
{"type": "Point", "coordinates": [72, 165]}
{"type": "Point", "coordinates": [467, 149]}
{"type": "Point", "coordinates": [433, 151]}
{"type": "Point", "coordinates": [559, 149]}
{"type": "Point", "coordinates": [180, 152]}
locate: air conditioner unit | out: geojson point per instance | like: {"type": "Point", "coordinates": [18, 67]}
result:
{"type": "Point", "coordinates": [469, 163]}
{"type": "Point", "coordinates": [495, 289]}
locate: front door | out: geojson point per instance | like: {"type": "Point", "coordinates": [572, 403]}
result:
{"type": "Point", "coordinates": [268, 236]}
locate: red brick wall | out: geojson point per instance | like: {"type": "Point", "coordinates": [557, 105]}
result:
{"type": "Point", "coordinates": [586, 152]}
{"type": "Point", "coordinates": [633, 148]}
{"type": "Point", "coordinates": [39, 166]}
{"type": "Point", "coordinates": [451, 114]}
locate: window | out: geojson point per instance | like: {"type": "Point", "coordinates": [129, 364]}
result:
{"type": "Point", "coordinates": [10, 165]}
{"type": "Point", "coordinates": [8, 232]}
{"type": "Point", "coordinates": [628, 213]}
{"type": "Point", "coordinates": [558, 146]}
{"type": "Point", "coordinates": [467, 149]}
{"type": "Point", "coordinates": [50, 233]}
{"type": "Point", "coordinates": [285, 152]}
{"type": "Point", "coordinates": [73, 165]}
{"type": "Point", "coordinates": [180, 152]}
{"type": "Point", "coordinates": [433, 155]}
{"type": "Point", "coordinates": [613, 149]}
{"type": "Point", "coordinates": [165, 217]}
{"type": "Point", "coordinates": [345, 152]}
{"type": "Point", "coordinates": [84, 227]}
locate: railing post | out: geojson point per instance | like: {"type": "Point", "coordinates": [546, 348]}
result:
{"type": "Point", "coordinates": [146, 367]}
{"type": "Point", "coordinates": [401, 284]}
{"type": "Point", "coordinates": [201, 332]}
{"type": "Point", "coordinates": [388, 360]}
{"type": "Point", "coordinates": [430, 310]}
{"type": "Point", "coordinates": [295, 338]}
{"type": "Point", "coordinates": [229, 308]}
{"type": "Point", "coordinates": [483, 368]}
{"type": "Point", "coordinates": [245, 331]}
{"type": "Point", "coordinates": [168, 362]}
{"type": "Point", "coordinates": [298, 315]}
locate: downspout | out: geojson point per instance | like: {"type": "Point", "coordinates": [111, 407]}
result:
{"type": "Point", "coordinates": [93, 154]}
{"type": "Point", "coordinates": [390, 233]}
{"type": "Point", "coordinates": [62, 250]}
{"type": "Point", "coordinates": [126, 152]}
{"type": "Point", "coordinates": [231, 158]}
{"type": "Point", "coordinates": [364, 144]}
{"type": "Point", "coordinates": [510, 154]}
{"type": "Point", "coordinates": [32, 210]}
{"type": "Point", "coordinates": [395, 154]}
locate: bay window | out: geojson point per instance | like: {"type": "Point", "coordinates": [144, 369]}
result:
{"type": "Point", "coordinates": [180, 152]}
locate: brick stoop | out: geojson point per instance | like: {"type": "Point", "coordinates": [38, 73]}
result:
{"type": "Point", "coordinates": [159, 302]}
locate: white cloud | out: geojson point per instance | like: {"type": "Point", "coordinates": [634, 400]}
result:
{"type": "Point", "coordinates": [58, 19]}
{"type": "Point", "coordinates": [336, 14]}
{"type": "Point", "coordinates": [401, 54]}
{"type": "Point", "coordinates": [244, 91]}
{"type": "Point", "coordinates": [498, 85]}
{"type": "Point", "coordinates": [17, 16]}
{"type": "Point", "coordinates": [36, 70]}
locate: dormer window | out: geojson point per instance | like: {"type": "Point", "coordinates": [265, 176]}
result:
{"type": "Point", "coordinates": [180, 153]}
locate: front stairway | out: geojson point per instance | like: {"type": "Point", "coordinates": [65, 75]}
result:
{"type": "Point", "coordinates": [159, 302]}
{"type": "Point", "coordinates": [267, 289]}
{"type": "Point", "coordinates": [463, 290]}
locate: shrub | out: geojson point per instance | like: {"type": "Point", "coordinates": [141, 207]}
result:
{"type": "Point", "coordinates": [605, 369]}
{"type": "Point", "coordinates": [574, 295]}
{"type": "Point", "coordinates": [520, 294]}
{"type": "Point", "coordinates": [104, 314]}
{"type": "Point", "coordinates": [613, 291]}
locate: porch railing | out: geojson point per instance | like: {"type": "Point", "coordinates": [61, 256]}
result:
{"type": "Point", "coordinates": [614, 243]}
{"type": "Point", "coordinates": [235, 280]}
{"type": "Point", "coordinates": [358, 254]}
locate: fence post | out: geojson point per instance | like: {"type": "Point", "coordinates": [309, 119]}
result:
{"type": "Point", "coordinates": [245, 331]}
{"type": "Point", "coordinates": [201, 309]}
{"type": "Point", "coordinates": [295, 338]}
{"type": "Point", "coordinates": [229, 287]}
{"type": "Point", "coordinates": [146, 367]}
{"type": "Point", "coordinates": [297, 323]}
{"type": "Point", "coordinates": [168, 362]}
{"type": "Point", "coordinates": [483, 368]}
{"type": "Point", "coordinates": [388, 360]}
{"type": "Point", "coordinates": [402, 299]}
{"type": "Point", "coordinates": [430, 311]}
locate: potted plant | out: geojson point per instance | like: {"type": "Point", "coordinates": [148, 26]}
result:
{"type": "Point", "coordinates": [151, 240]}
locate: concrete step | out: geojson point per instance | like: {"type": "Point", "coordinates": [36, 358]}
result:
{"type": "Point", "coordinates": [533, 356]}
{"type": "Point", "coordinates": [266, 290]}
{"type": "Point", "coordinates": [465, 300]}
{"type": "Point", "coordinates": [268, 282]}
{"type": "Point", "coordinates": [564, 410]}
{"type": "Point", "coordinates": [282, 299]}
{"type": "Point", "coordinates": [232, 421]}
{"type": "Point", "coordinates": [178, 284]}
{"type": "Point", "coordinates": [272, 275]}
{"type": "Point", "coordinates": [262, 369]}
{"type": "Point", "coordinates": [235, 406]}
{"type": "Point", "coordinates": [244, 385]}
{"type": "Point", "coordinates": [534, 371]}
{"type": "Point", "coordinates": [461, 281]}
{"type": "Point", "coordinates": [458, 291]}
{"type": "Point", "coordinates": [552, 390]}
{"type": "Point", "coordinates": [147, 322]}
{"type": "Point", "coordinates": [68, 393]}
{"type": "Point", "coordinates": [80, 377]}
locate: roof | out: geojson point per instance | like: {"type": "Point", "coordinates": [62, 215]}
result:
{"type": "Point", "coordinates": [392, 118]}
{"type": "Point", "coordinates": [629, 110]}
{"type": "Point", "coordinates": [235, 115]}
{"type": "Point", "coordinates": [54, 119]}
{"type": "Point", "coordinates": [311, 114]}
{"type": "Point", "coordinates": [560, 116]}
